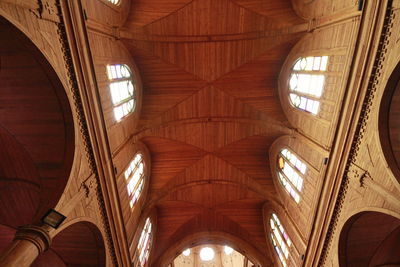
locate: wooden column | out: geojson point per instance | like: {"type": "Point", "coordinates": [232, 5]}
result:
{"type": "Point", "coordinates": [29, 242]}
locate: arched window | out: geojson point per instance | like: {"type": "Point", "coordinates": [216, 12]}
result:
{"type": "Point", "coordinates": [134, 176]}
{"type": "Point", "coordinates": [144, 243]}
{"type": "Point", "coordinates": [306, 83]}
{"type": "Point", "coordinates": [280, 239]}
{"type": "Point", "coordinates": [115, 2]}
{"type": "Point", "coordinates": [122, 90]}
{"type": "Point", "coordinates": [290, 173]}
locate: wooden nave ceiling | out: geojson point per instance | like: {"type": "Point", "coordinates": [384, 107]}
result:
{"type": "Point", "coordinates": [210, 112]}
{"type": "Point", "coordinates": [132, 131]}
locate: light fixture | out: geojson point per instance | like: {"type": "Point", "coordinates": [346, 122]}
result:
{"type": "Point", "coordinates": [228, 250]}
{"type": "Point", "coordinates": [53, 218]}
{"type": "Point", "coordinates": [186, 252]}
{"type": "Point", "coordinates": [207, 254]}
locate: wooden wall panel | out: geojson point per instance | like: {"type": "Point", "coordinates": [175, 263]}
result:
{"type": "Point", "coordinates": [106, 13]}
{"type": "Point", "coordinates": [339, 48]}
{"type": "Point", "coordinates": [121, 162]}
{"type": "Point", "coordinates": [373, 186]}
{"type": "Point", "coordinates": [302, 213]}
{"type": "Point", "coordinates": [322, 8]}
{"type": "Point", "coordinates": [107, 51]}
{"type": "Point", "coordinates": [298, 247]}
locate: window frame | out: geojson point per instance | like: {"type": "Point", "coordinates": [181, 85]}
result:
{"type": "Point", "coordinates": [140, 184]}
{"type": "Point", "coordinates": [143, 247]}
{"type": "Point", "coordinates": [275, 243]}
{"type": "Point", "coordinates": [307, 99]}
{"type": "Point", "coordinates": [301, 175]}
{"type": "Point", "coordinates": [113, 82]}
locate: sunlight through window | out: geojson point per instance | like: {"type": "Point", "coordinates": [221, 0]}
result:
{"type": "Point", "coordinates": [307, 82]}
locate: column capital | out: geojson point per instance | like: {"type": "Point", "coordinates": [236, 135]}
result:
{"type": "Point", "coordinates": [37, 235]}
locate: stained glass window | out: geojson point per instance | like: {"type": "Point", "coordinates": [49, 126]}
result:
{"type": "Point", "coordinates": [145, 243]}
{"type": "Point", "coordinates": [134, 175]}
{"type": "Point", "coordinates": [122, 90]}
{"type": "Point", "coordinates": [307, 82]}
{"type": "Point", "coordinates": [291, 171]}
{"type": "Point", "coordinates": [280, 239]}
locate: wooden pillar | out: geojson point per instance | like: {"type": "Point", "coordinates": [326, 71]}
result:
{"type": "Point", "coordinates": [29, 242]}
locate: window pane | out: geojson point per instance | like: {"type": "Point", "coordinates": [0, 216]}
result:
{"type": "Point", "coordinates": [115, 2]}
{"type": "Point", "coordinates": [280, 239]}
{"type": "Point", "coordinates": [324, 63]}
{"type": "Point", "coordinates": [309, 64]}
{"type": "Point", "coordinates": [317, 63]}
{"type": "Point", "coordinates": [144, 243]}
{"type": "Point", "coordinates": [135, 177]}
{"type": "Point", "coordinates": [305, 81]}
{"type": "Point", "coordinates": [290, 171]}
{"type": "Point", "coordinates": [122, 90]}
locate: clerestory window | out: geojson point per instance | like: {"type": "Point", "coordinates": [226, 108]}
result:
{"type": "Point", "coordinates": [122, 90]}
{"type": "Point", "coordinates": [114, 2]}
{"type": "Point", "coordinates": [280, 240]}
{"type": "Point", "coordinates": [145, 243]}
{"type": "Point", "coordinates": [307, 82]}
{"type": "Point", "coordinates": [134, 176]}
{"type": "Point", "coordinates": [291, 171]}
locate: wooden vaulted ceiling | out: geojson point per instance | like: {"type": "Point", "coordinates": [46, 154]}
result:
{"type": "Point", "coordinates": [210, 110]}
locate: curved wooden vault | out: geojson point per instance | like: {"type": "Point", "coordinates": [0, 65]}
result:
{"type": "Point", "coordinates": [212, 115]}
{"type": "Point", "coordinates": [210, 112]}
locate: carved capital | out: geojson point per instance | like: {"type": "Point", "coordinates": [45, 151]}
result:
{"type": "Point", "coordinates": [36, 235]}
{"type": "Point", "coordinates": [48, 10]}
{"type": "Point", "coordinates": [365, 179]}
{"type": "Point", "coordinates": [89, 185]}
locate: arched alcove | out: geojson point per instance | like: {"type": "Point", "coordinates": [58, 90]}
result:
{"type": "Point", "coordinates": [389, 122]}
{"type": "Point", "coordinates": [36, 131]}
{"type": "Point", "coordinates": [213, 238]}
{"type": "Point", "coordinates": [370, 239]}
{"type": "Point", "coordinates": [80, 244]}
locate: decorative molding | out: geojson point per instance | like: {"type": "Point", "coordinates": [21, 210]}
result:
{"type": "Point", "coordinates": [89, 185]}
{"type": "Point", "coordinates": [48, 10]}
{"type": "Point", "coordinates": [360, 130]}
{"type": "Point", "coordinates": [364, 179]}
{"type": "Point", "coordinates": [83, 127]}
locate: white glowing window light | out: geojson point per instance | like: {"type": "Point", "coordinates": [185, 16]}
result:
{"type": "Point", "coordinates": [280, 239]}
{"type": "Point", "coordinates": [134, 175]}
{"type": "Point", "coordinates": [114, 2]}
{"type": "Point", "coordinates": [145, 243]}
{"type": "Point", "coordinates": [186, 252]}
{"type": "Point", "coordinates": [228, 250]}
{"type": "Point", "coordinates": [207, 254]}
{"type": "Point", "coordinates": [290, 173]}
{"type": "Point", "coordinates": [306, 83]}
{"type": "Point", "coordinates": [122, 90]}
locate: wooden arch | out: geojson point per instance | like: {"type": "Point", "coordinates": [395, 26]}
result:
{"type": "Point", "coordinates": [36, 130]}
{"type": "Point", "coordinates": [216, 238]}
{"type": "Point", "coordinates": [370, 238]}
{"type": "Point", "coordinates": [79, 244]}
{"type": "Point", "coordinates": [389, 122]}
